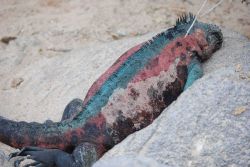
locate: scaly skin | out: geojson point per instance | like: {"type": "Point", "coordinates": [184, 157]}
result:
{"type": "Point", "coordinates": [125, 99]}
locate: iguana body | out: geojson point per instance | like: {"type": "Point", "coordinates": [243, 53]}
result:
{"type": "Point", "coordinates": [126, 98]}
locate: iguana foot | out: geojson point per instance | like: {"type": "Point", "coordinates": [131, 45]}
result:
{"type": "Point", "coordinates": [33, 164]}
{"type": "Point", "coordinates": [84, 155]}
{"type": "Point", "coordinates": [45, 157]}
{"type": "Point", "coordinates": [2, 157]}
{"type": "Point", "coordinates": [72, 109]}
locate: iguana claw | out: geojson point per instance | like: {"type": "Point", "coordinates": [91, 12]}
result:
{"type": "Point", "coordinates": [2, 157]}
{"type": "Point", "coordinates": [26, 152]}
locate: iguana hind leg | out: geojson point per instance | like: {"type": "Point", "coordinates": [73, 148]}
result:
{"type": "Point", "coordinates": [72, 109]}
{"type": "Point", "coordinates": [83, 155]}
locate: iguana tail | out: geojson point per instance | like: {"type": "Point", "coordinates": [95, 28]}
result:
{"type": "Point", "coordinates": [20, 134]}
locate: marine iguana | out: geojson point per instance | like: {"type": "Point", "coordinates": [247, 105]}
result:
{"type": "Point", "coordinates": [125, 99]}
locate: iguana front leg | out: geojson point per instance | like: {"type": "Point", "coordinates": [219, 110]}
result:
{"type": "Point", "coordinates": [72, 109]}
{"type": "Point", "coordinates": [83, 155]}
{"type": "Point", "coordinates": [194, 72]}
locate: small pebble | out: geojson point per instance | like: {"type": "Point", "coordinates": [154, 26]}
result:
{"type": "Point", "coordinates": [6, 40]}
{"type": "Point", "coordinates": [239, 110]}
{"type": "Point", "coordinates": [16, 82]}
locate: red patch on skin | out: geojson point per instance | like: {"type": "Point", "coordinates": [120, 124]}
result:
{"type": "Point", "coordinates": [14, 143]}
{"type": "Point", "coordinates": [66, 140]}
{"type": "Point", "coordinates": [26, 139]}
{"type": "Point", "coordinates": [99, 120]}
{"type": "Point", "coordinates": [51, 142]}
{"type": "Point", "coordinates": [97, 84]}
{"type": "Point", "coordinates": [100, 149]}
{"type": "Point", "coordinates": [162, 62]}
{"type": "Point", "coordinates": [101, 139]}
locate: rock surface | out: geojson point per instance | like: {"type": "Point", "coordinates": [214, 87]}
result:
{"type": "Point", "coordinates": [129, 161]}
{"type": "Point", "coordinates": [208, 125]}
{"type": "Point", "coordinates": [208, 122]}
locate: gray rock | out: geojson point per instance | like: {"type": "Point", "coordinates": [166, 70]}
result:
{"type": "Point", "coordinates": [208, 125]}
{"type": "Point", "coordinates": [129, 161]}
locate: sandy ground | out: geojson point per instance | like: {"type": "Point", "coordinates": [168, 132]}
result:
{"type": "Point", "coordinates": [46, 29]}
{"type": "Point", "coordinates": [81, 21]}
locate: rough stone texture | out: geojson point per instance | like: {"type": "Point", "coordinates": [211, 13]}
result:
{"type": "Point", "coordinates": [208, 125]}
{"type": "Point", "coordinates": [129, 161]}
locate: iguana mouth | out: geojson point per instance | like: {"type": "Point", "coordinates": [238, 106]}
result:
{"type": "Point", "coordinates": [199, 57]}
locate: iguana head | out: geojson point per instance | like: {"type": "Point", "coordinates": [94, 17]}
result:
{"type": "Point", "coordinates": [209, 36]}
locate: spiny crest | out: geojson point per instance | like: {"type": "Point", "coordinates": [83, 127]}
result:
{"type": "Point", "coordinates": [185, 18]}
{"type": "Point", "coordinates": [151, 41]}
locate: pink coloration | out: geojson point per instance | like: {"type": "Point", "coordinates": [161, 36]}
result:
{"type": "Point", "coordinates": [99, 120]}
{"type": "Point", "coordinates": [195, 42]}
{"type": "Point", "coordinates": [47, 142]}
{"type": "Point", "coordinates": [97, 84]}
